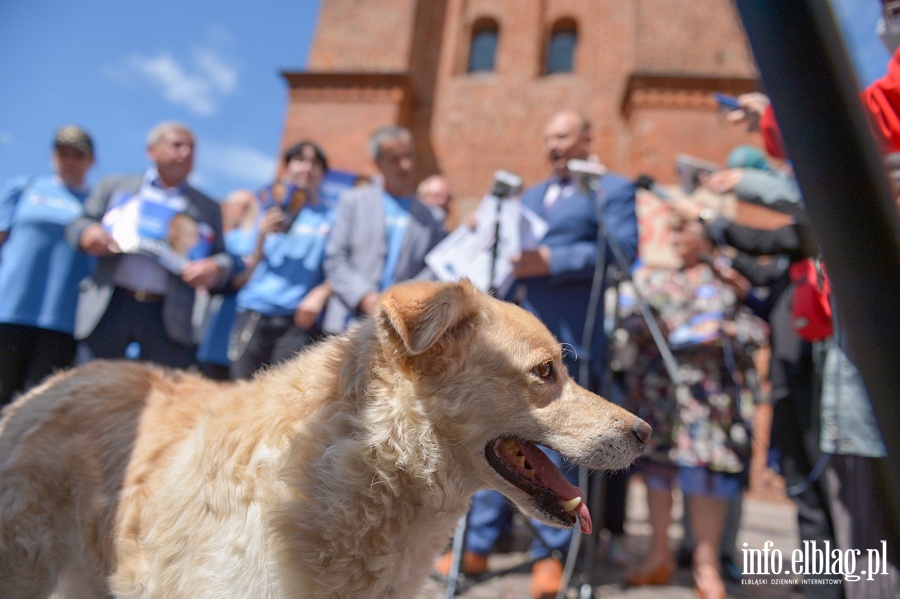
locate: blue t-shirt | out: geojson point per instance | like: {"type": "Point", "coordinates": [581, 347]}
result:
{"type": "Point", "coordinates": [291, 265]}
{"type": "Point", "coordinates": [396, 214]}
{"type": "Point", "coordinates": [39, 270]}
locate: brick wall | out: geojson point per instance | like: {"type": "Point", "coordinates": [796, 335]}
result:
{"type": "Point", "coordinates": [363, 35]}
{"type": "Point", "coordinates": [644, 74]}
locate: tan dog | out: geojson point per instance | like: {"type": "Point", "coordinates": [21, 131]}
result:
{"type": "Point", "coordinates": [339, 474]}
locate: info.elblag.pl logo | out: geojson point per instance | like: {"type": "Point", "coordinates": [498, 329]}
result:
{"type": "Point", "coordinates": [810, 561]}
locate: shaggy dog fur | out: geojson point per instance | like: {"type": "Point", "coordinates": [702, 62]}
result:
{"type": "Point", "coordinates": [338, 474]}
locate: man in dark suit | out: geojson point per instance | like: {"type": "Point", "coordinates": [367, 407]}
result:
{"type": "Point", "coordinates": [143, 289]}
{"type": "Point", "coordinates": [556, 279]}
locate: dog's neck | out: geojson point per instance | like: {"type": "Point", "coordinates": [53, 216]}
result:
{"type": "Point", "coordinates": [398, 481]}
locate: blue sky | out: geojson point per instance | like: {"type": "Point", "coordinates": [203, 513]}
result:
{"type": "Point", "coordinates": [118, 67]}
{"type": "Point", "coordinates": [857, 19]}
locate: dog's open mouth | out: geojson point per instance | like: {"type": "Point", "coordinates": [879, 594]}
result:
{"type": "Point", "coordinates": [524, 465]}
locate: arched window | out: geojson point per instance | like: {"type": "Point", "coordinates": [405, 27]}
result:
{"type": "Point", "coordinates": [483, 48]}
{"type": "Point", "coordinates": [561, 50]}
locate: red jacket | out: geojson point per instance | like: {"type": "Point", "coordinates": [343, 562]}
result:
{"type": "Point", "coordinates": [881, 101]}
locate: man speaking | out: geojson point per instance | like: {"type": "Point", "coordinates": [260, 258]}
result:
{"type": "Point", "coordinates": [556, 278]}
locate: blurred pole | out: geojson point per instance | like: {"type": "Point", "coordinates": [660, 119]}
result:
{"type": "Point", "coordinates": [808, 77]}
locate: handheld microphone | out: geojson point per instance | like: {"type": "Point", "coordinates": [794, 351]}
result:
{"type": "Point", "coordinates": [586, 173]}
{"type": "Point", "coordinates": [647, 182]}
{"type": "Point", "coordinates": [505, 184]}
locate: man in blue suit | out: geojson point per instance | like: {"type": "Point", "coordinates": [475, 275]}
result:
{"type": "Point", "coordinates": [557, 276]}
{"type": "Point", "coordinates": [556, 279]}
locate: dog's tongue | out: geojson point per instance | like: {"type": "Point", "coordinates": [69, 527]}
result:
{"type": "Point", "coordinates": [550, 476]}
{"type": "Point", "coordinates": [584, 517]}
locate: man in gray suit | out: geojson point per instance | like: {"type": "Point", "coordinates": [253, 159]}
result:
{"type": "Point", "coordinates": [158, 240]}
{"type": "Point", "coordinates": [381, 233]}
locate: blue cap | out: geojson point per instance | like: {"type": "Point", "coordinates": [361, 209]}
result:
{"type": "Point", "coordinates": [748, 157]}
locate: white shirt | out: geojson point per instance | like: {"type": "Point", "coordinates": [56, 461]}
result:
{"type": "Point", "coordinates": [556, 191]}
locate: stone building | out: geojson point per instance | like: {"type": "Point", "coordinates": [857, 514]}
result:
{"type": "Point", "coordinates": [476, 80]}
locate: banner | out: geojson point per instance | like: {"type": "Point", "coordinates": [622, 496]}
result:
{"type": "Point", "coordinates": [156, 225]}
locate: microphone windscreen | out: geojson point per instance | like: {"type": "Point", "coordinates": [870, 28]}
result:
{"type": "Point", "coordinates": [645, 182]}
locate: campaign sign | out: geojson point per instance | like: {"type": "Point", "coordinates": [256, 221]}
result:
{"type": "Point", "coordinates": [156, 225]}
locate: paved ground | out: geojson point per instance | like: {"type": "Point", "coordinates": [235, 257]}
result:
{"type": "Point", "coordinates": [510, 572]}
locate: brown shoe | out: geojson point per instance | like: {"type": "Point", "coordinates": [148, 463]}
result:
{"type": "Point", "coordinates": [473, 564]}
{"type": "Point", "coordinates": [546, 578]}
{"type": "Point", "coordinates": [657, 576]}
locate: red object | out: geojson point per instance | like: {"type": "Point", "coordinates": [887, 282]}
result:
{"type": "Point", "coordinates": [811, 308]}
{"type": "Point", "coordinates": [771, 134]}
{"type": "Point", "coordinates": [882, 102]}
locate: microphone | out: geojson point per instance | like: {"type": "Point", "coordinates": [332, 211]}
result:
{"type": "Point", "coordinates": [586, 173]}
{"type": "Point", "coordinates": [505, 185]}
{"type": "Point", "coordinates": [647, 182]}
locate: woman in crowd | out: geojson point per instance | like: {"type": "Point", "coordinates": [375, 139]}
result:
{"type": "Point", "coordinates": [701, 439]}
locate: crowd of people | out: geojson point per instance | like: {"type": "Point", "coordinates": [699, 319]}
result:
{"type": "Point", "coordinates": [118, 272]}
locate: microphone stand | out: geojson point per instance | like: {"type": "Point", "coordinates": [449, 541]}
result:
{"type": "Point", "coordinates": [591, 185]}
{"type": "Point", "coordinates": [652, 324]}
{"type": "Point", "coordinates": [495, 247]}
{"type": "Point", "coordinates": [505, 186]}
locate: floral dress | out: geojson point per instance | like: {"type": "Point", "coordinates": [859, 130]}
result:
{"type": "Point", "coordinates": [700, 422]}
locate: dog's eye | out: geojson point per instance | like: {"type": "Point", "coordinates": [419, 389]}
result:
{"type": "Point", "coordinates": [544, 369]}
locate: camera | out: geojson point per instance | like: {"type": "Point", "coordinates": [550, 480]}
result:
{"type": "Point", "coordinates": [690, 171]}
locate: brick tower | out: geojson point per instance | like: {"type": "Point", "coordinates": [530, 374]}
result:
{"type": "Point", "coordinates": [643, 71]}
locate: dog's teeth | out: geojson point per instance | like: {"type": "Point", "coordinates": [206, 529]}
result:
{"type": "Point", "coordinates": [521, 459]}
{"type": "Point", "coordinates": [571, 504]}
{"type": "Point", "coordinates": [511, 446]}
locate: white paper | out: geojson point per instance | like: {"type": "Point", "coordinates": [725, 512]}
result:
{"type": "Point", "coordinates": [467, 253]}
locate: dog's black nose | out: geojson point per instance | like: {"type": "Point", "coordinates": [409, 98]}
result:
{"type": "Point", "coordinates": [641, 430]}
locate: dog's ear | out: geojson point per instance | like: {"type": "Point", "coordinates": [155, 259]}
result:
{"type": "Point", "coordinates": [419, 313]}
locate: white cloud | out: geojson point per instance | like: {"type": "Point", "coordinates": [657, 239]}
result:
{"type": "Point", "coordinates": [222, 76]}
{"type": "Point", "coordinates": [199, 86]}
{"type": "Point", "coordinates": [241, 165]}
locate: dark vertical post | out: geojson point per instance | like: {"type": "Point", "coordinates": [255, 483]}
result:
{"type": "Point", "coordinates": [807, 75]}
